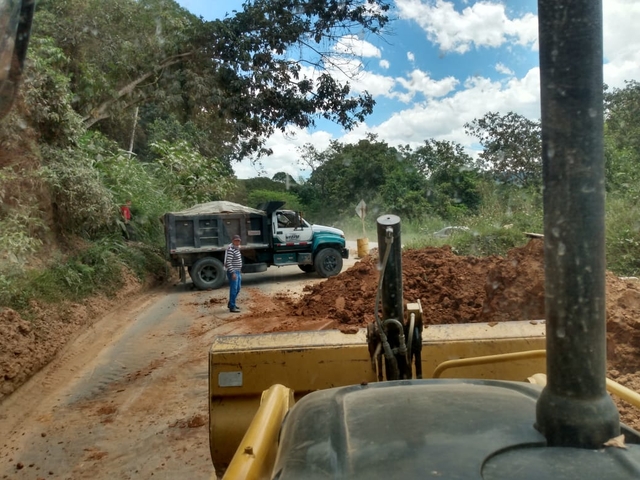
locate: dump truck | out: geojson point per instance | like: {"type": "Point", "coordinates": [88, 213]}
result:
{"type": "Point", "coordinates": [197, 238]}
{"type": "Point", "coordinates": [521, 401]}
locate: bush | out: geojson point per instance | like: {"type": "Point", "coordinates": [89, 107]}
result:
{"type": "Point", "coordinates": [83, 204]}
{"type": "Point", "coordinates": [623, 236]}
{"type": "Point", "coordinates": [96, 269]}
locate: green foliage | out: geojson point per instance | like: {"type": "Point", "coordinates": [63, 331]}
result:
{"type": "Point", "coordinates": [264, 89]}
{"type": "Point", "coordinates": [188, 176]}
{"type": "Point", "coordinates": [48, 94]}
{"type": "Point", "coordinates": [489, 242]}
{"type": "Point", "coordinates": [403, 192]}
{"type": "Point", "coordinates": [17, 239]}
{"type": "Point", "coordinates": [508, 205]}
{"type": "Point", "coordinates": [622, 112]}
{"type": "Point", "coordinates": [229, 77]}
{"type": "Point", "coordinates": [129, 179]}
{"type": "Point", "coordinates": [98, 268]}
{"type": "Point", "coordinates": [285, 179]}
{"type": "Point", "coordinates": [512, 147]}
{"type": "Point", "coordinates": [207, 135]}
{"type": "Point", "coordinates": [622, 140]}
{"type": "Point", "coordinates": [369, 170]}
{"type": "Point", "coordinates": [623, 236]}
{"type": "Point", "coordinates": [83, 203]}
{"type": "Point", "coordinates": [452, 180]}
{"type": "Point", "coordinates": [263, 183]}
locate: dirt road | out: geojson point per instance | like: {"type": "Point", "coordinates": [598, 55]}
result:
{"type": "Point", "coordinates": [128, 397]}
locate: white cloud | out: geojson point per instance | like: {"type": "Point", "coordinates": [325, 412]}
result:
{"type": "Point", "coordinates": [285, 155]}
{"type": "Point", "coordinates": [441, 119]}
{"type": "Point", "coordinates": [420, 82]}
{"type": "Point", "coordinates": [360, 79]}
{"type": "Point", "coordinates": [444, 118]}
{"type": "Point", "coordinates": [352, 45]}
{"type": "Point", "coordinates": [483, 24]}
{"type": "Point", "coordinates": [502, 68]}
{"type": "Point", "coordinates": [621, 41]}
{"type": "Point", "coordinates": [384, 64]}
{"type": "Point", "coordinates": [411, 57]}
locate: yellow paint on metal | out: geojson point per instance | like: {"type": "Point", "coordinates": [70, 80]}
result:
{"type": "Point", "coordinates": [309, 361]}
{"type": "Point", "coordinates": [363, 247]}
{"type": "Point", "coordinates": [255, 456]}
{"type": "Point", "coordinates": [487, 359]}
{"type": "Point", "coordinates": [624, 393]}
{"type": "Point", "coordinates": [612, 387]}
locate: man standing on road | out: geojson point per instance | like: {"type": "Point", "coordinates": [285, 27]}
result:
{"type": "Point", "coordinates": [233, 266]}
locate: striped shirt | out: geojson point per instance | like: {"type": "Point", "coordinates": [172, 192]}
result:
{"type": "Point", "coordinates": [233, 259]}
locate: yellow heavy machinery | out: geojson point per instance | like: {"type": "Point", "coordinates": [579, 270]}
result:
{"type": "Point", "coordinates": [312, 406]}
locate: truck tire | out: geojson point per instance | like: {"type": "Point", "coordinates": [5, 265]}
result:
{"type": "Point", "coordinates": [208, 273]}
{"type": "Point", "coordinates": [307, 268]}
{"type": "Point", "coordinates": [328, 262]}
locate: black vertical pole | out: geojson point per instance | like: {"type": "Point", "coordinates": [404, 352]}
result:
{"type": "Point", "coordinates": [574, 408]}
{"type": "Point", "coordinates": [389, 226]}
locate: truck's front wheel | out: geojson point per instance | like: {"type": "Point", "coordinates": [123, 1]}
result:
{"type": "Point", "coordinates": [207, 273]}
{"type": "Point", "coordinates": [328, 262]}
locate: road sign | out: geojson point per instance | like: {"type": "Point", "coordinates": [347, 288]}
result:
{"type": "Point", "coordinates": [361, 209]}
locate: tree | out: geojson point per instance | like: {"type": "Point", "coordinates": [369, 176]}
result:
{"type": "Point", "coordinates": [188, 176]}
{"type": "Point", "coordinates": [512, 147]}
{"type": "Point", "coordinates": [369, 170]}
{"type": "Point", "coordinates": [284, 178]}
{"type": "Point", "coordinates": [263, 89]}
{"type": "Point", "coordinates": [291, 200]}
{"type": "Point", "coordinates": [232, 77]}
{"type": "Point", "coordinates": [452, 179]}
{"type": "Point", "coordinates": [622, 115]}
{"type": "Point", "coordinates": [622, 138]}
{"type": "Point", "coordinates": [309, 156]}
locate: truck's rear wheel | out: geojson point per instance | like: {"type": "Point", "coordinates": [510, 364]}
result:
{"type": "Point", "coordinates": [207, 273]}
{"type": "Point", "coordinates": [328, 262]}
{"type": "Point", "coordinates": [306, 268]}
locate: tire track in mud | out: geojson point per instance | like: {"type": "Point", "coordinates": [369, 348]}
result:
{"type": "Point", "coordinates": [38, 392]}
{"type": "Point", "coordinates": [85, 381]}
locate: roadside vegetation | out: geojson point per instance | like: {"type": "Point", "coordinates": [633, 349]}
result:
{"type": "Point", "coordinates": [142, 101]}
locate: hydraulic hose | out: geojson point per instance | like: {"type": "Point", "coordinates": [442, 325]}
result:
{"type": "Point", "coordinates": [388, 354]}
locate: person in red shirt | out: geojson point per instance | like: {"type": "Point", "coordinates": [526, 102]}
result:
{"type": "Point", "coordinates": [125, 211]}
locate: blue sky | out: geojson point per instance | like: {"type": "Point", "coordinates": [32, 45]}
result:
{"type": "Point", "coordinates": [442, 63]}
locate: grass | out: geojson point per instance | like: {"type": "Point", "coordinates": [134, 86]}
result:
{"type": "Point", "coordinates": [96, 269]}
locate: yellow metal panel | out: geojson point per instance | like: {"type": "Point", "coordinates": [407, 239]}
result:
{"type": "Point", "coordinates": [242, 367]}
{"type": "Point", "coordinates": [488, 360]}
{"type": "Point", "coordinates": [255, 457]}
